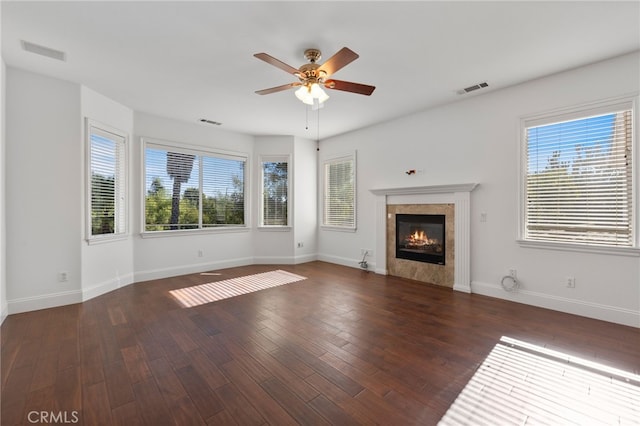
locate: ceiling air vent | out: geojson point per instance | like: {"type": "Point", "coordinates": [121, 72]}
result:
{"type": "Point", "coordinates": [472, 88]}
{"type": "Point", "coordinates": [44, 51]}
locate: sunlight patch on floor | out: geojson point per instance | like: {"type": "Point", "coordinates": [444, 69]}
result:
{"type": "Point", "coordinates": [520, 383]}
{"type": "Point", "coordinates": [218, 290]}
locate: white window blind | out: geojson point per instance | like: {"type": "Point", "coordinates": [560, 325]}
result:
{"type": "Point", "coordinates": [187, 189]}
{"type": "Point", "coordinates": [275, 192]}
{"type": "Point", "coordinates": [579, 180]}
{"type": "Point", "coordinates": [107, 181]}
{"type": "Point", "coordinates": [339, 193]}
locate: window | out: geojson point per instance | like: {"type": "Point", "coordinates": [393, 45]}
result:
{"type": "Point", "coordinates": [107, 182]}
{"type": "Point", "coordinates": [190, 189]}
{"type": "Point", "coordinates": [340, 192]}
{"type": "Point", "coordinates": [579, 177]}
{"type": "Point", "coordinates": [275, 191]}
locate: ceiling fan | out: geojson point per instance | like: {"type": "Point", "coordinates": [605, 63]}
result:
{"type": "Point", "coordinates": [313, 75]}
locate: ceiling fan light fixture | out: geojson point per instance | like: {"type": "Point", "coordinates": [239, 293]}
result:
{"type": "Point", "coordinates": [311, 94]}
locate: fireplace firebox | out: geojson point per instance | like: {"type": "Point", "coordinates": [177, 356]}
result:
{"type": "Point", "coordinates": [421, 237]}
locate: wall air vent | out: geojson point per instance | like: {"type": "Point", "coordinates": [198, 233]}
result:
{"type": "Point", "coordinates": [204, 120]}
{"type": "Point", "coordinates": [472, 88]}
{"type": "Point", "coordinates": [44, 51]}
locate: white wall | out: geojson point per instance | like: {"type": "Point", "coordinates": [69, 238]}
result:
{"type": "Point", "coordinates": [107, 265]}
{"type": "Point", "coordinates": [162, 256]}
{"type": "Point", "coordinates": [305, 196]}
{"type": "Point", "coordinates": [43, 191]}
{"type": "Point", "coordinates": [4, 309]}
{"type": "Point", "coordinates": [476, 140]}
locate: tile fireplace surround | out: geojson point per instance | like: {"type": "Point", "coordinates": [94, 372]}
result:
{"type": "Point", "coordinates": [458, 194]}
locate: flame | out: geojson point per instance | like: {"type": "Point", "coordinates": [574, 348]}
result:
{"type": "Point", "coordinates": [419, 236]}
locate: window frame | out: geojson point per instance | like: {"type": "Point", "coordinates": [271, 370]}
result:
{"type": "Point", "coordinates": [274, 159]}
{"type": "Point", "coordinates": [199, 151]}
{"type": "Point", "coordinates": [325, 186]}
{"type": "Point", "coordinates": [121, 208]}
{"type": "Point", "coordinates": [576, 113]}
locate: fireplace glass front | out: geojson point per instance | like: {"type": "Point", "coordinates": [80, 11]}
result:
{"type": "Point", "coordinates": [420, 237]}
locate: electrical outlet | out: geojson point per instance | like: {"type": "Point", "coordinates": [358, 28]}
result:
{"type": "Point", "coordinates": [300, 244]}
{"type": "Point", "coordinates": [571, 282]}
{"type": "Point", "coordinates": [63, 276]}
{"type": "Point", "coordinates": [200, 253]}
{"type": "Point", "coordinates": [483, 217]}
{"type": "Point", "coordinates": [513, 273]}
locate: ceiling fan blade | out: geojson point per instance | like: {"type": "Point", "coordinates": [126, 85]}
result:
{"type": "Point", "coordinates": [277, 88]}
{"type": "Point", "coordinates": [277, 63]}
{"type": "Point", "coordinates": [344, 57]}
{"type": "Point", "coordinates": [348, 86]}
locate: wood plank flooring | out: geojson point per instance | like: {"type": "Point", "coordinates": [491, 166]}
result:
{"type": "Point", "coordinates": [342, 347]}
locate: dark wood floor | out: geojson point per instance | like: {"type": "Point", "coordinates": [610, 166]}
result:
{"type": "Point", "coordinates": [342, 347]}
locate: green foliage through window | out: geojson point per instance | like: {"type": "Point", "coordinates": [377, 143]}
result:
{"type": "Point", "coordinates": [275, 193]}
{"type": "Point", "coordinates": [579, 182]}
{"type": "Point", "coordinates": [107, 180]}
{"type": "Point", "coordinates": [192, 190]}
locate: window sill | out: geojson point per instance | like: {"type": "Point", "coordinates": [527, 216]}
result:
{"type": "Point", "coordinates": [107, 239]}
{"type": "Point", "coordinates": [185, 232]}
{"type": "Point", "coordinates": [582, 248]}
{"type": "Point", "coordinates": [337, 228]}
{"type": "Point", "coordinates": [274, 228]}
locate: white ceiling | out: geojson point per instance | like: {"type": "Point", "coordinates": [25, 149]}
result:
{"type": "Point", "coordinates": [192, 60]}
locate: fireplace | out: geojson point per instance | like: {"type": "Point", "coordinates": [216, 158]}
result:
{"type": "Point", "coordinates": [421, 237]}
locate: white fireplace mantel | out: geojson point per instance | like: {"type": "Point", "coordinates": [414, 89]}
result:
{"type": "Point", "coordinates": [457, 194]}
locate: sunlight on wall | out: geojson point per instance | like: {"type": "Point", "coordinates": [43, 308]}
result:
{"type": "Point", "coordinates": [521, 383]}
{"type": "Point", "coordinates": [218, 290]}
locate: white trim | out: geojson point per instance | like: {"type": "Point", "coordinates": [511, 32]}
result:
{"type": "Point", "coordinates": [204, 231]}
{"type": "Point", "coordinates": [269, 158]}
{"type": "Point", "coordinates": [274, 228]}
{"type": "Point", "coordinates": [628, 101]}
{"type": "Point", "coordinates": [431, 189]}
{"type": "Point", "coordinates": [173, 271]}
{"type": "Point", "coordinates": [345, 261]}
{"type": "Point", "coordinates": [44, 301]}
{"type": "Point", "coordinates": [583, 248]}
{"type": "Point", "coordinates": [598, 311]}
{"type": "Point", "coordinates": [123, 174]}
{"type": "Point", "coordinates": [199, 151]}
{"type": "Point", "coordinates": [4, 312]}
{"type": "Point", "coordinates": [106, 286]}
{"type": "Point", "coordinates": [274, 260]}
{"type": "Point", "coordinates": [350, 156]}
{"type": "Point", "coordinates": [458, 194]}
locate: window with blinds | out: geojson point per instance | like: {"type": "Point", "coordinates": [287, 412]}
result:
{"type": "Point", "coordinates": [579, 177]}
{"type": "Point", "coordinates": [106, 181]}
{"type": "Point", "coordinates": [340, 192]}
{"type": "Point", "coordinates": [275, 191]}
{"type": "Point", "coordinates": [188, 189]}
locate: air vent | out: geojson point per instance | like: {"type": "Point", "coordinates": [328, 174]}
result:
{"type": "Point", "coordinates": [44, 51]}
{"type": "Point", "coordinates": [204, 120]}
{"type": "Point", "coordinates": [472, 88]}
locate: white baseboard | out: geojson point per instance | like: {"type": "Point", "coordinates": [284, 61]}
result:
{"type": "Point", "coordinates": [305, 258]}
{"type": "Point", "coordinates": [4, 311]}
{"type": "Point", "coordinates": [344, 261]}
{"type": "Point", "coordinates": [577, 307]}
{"type": "Point", "coordinates": [273, 260]}
{"type": "Point", "coordinates": [284, 260]}
{"type": "Point", "coordinates": [107, 286]}
{"type": "Point", "coordinates": [174, 271]}
{"type": "Point", "coordinates": [44, 301]}
{"type": "Point", "coordinates": [462, 287]}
